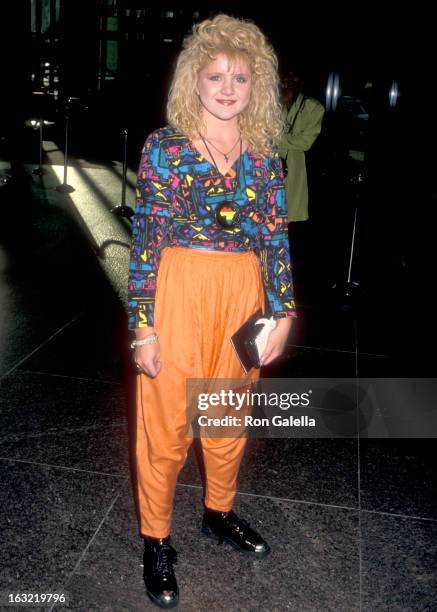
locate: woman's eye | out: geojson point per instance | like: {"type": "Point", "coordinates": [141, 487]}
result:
{"type": "Point", "coordinates": [214, 77]}
{"type": "Point", "coordinates": [241, 79]}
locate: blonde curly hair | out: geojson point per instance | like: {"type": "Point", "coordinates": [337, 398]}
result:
{"type": "Point", "coordinates": [261, 121]}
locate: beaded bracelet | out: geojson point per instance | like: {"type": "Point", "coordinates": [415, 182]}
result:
{"type": "Point", "coordinates": [148, 340]}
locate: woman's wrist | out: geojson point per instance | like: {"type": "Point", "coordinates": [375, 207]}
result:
{"type": "Point", "coordinates": [284, 322]}
{"type": "Point", "coordinates": [143, 332]}
{"type": "Point", "coordinates": [145, 341]}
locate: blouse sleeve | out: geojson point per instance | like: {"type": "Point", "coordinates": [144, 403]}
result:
{"type": "Point", "coordinates": [151, 225]}
{"type": "Point", "coordinates": [274, 249]}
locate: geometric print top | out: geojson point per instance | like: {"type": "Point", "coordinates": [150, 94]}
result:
{"type": "Point", "coordinates": [178, 193]}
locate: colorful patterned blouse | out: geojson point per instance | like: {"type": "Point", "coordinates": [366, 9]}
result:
{"type": "Point", "coordinates": [179, 196]}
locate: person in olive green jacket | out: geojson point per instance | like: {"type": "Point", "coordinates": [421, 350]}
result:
{"type": "Point", "coordinates": [303, 123]}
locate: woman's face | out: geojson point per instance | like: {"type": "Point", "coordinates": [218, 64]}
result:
{"type": "Point", "coordinates": [224, 87]}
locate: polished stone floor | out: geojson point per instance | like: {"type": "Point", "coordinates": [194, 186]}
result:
{"type": "Point", "coordinates": [352, 521]}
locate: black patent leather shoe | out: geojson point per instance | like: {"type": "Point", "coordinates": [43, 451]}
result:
{"type": "Point", "coordinates": [228, 527]}
{"type": "Point", "coordinates": [159, 575]}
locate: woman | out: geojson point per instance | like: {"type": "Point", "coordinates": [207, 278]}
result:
{"type": "Point", "coordinates": [209, 236]}
{"type": "Point", "coordinates": [303, 124]}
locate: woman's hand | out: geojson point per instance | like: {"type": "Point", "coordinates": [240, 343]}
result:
{"type": "Point", "coordinates": [148, 357]}
{"type": "Point", "coordinates": [277, 340]}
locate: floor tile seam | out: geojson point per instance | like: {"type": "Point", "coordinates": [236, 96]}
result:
{"type": "Point", "coordinates": [313, 503]}
{"type": "Point", "coordinates": [320, 348]}
{"type": "Point", "coordinates": [243, 493]}
{"type": "Point", "coordinates": [82, 378]}
{"type": "Point", "coordinates": [357, 417]}
{"type": "Point", "coordinates": [62, 467]}
{"type": "Point", "coordinates": [352, 352]}
{"type": "Point", "coordinates": [399, 516]}
{"type": "Point", "coordinates": [35, 350]}
{"type": "Point", "coordinates": [65, 430]}
{"type": "Point", "coordinates": [277, 498]}
{"type": "Point", "coordinates": [91, 540]}
{"type": "Point", "coordinates": [386, 355]}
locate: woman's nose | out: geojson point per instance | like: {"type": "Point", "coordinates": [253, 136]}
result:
{"type": "Point", "coordinates": [228, 86]}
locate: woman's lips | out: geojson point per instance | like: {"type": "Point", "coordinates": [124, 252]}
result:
{"type": "Point", "coordinates": [226, 102]}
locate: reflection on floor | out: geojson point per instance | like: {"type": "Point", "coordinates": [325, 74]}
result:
{"type": "Point", "coordinates": [351, 521]}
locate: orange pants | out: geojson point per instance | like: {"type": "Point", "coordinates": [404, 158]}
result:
{"type": "Point", "coordinates": [202, 298]}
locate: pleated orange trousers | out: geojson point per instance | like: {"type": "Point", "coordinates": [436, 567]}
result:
{"type": "Point", "coordinates": [202, 298]}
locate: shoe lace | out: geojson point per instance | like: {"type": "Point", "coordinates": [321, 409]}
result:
{"type": "Point", "coordinates": [166, 556]}
{"type": "Point", "coordinates": [235, 520]}
{"type": "Point", "coordinates": [240, 526]}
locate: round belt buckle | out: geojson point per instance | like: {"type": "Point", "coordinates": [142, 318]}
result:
{"type": "Point", "coordinates": [227, 214]}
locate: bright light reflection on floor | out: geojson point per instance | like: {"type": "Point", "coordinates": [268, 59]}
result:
{"type": "Point", "coordinates": [92, 198]}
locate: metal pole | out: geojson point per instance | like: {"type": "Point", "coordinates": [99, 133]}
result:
{"type": "Point", "coordinates": [352, 246]}
{"type": "Point", "coordinates": [122, 210]}
{"type": "Point", "coordinates": [66, 150]}
{"type": "Point", "coordinates": [65, 188]}
{"type": "Point", "coordinates": [40, 170]}
{"type": "Point", "coordinates": [351, 287]}
{"type": "Point", "coordinates": [40, 142]}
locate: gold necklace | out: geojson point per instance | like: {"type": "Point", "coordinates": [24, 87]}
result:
{"type": "Point", "coordinates": [212, 157]}
{"type": "Point", "coordinates": [225, 155]}
{"type": "Point", "coordinates": [227, 212]}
